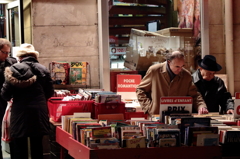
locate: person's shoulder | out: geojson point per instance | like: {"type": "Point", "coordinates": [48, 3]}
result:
{"type": "Point", "coordinates": [218, 80]}
{"type": "Point", "coordinates": [186, 72]}
{"type": "Point", "coordinates": [157, 66]}
{"type": "Point", "coordinates": [186, 75]}
{"type": "Point", "coordinates": [11, 60]}
{"type": "Point", "coordinates": [40, 67]}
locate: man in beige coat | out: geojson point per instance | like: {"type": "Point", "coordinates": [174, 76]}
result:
{"type": "Point", "coordinates": [168, 79]}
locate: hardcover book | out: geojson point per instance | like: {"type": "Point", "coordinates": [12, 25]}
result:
{"type": "Point", "coordinates": [78, 73]}
{"type": "Point", "coordinates": [192, 133]}
{"type": "Point", "coordinates": [80, 126]}
{"type": "Point", "coordinates": [232, 137]}
{"type": "Point", "coordinates": [138, 142]}
{"type": "Point", "coordinates": [60, 72]}
{"type": "Point", "coordinates": [207, 140]}
{"type": "Point", "coordinates": [198, 121]}
{"type": "Point", "coordinates": [167, 137]}
{"type": "Point", "coordinates": [167, 142]}
{"type": "Point", "coordinates": [102, 132]}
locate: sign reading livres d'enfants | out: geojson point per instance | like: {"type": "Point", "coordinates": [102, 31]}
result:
{"type": "Point", "coordinates": [175, 104]}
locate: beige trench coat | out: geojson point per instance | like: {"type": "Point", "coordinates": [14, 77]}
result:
{"type": "Point", "coordinates": [156, 84]}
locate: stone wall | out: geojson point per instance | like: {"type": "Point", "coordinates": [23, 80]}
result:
{"type": "Point", "coordinates": [236, 44]}
{"type": "Point", "coordinates": [66, 30]}
{"type": "Point", "coordinates": [217, 36]}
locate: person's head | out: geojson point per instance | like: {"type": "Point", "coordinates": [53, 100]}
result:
{"type": "Point", "coordinates": [26, 50]}
{"type": "Point", "coordinates": [175, 61]}
{"type": "Point", "coordinates": [208, 66]}
{"type": "Point", "coordinates": [5, 49]}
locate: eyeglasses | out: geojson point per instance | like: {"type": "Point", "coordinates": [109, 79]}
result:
{"type": "Point", "coordinates": [7, 53]}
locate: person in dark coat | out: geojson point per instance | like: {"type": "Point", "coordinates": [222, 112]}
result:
{"type": "Point", "coordinates": [211, 87]}
{"type": "Point", "coordinates": [29, 84]}
{"type": "Point", "coordinates": [5, 61]}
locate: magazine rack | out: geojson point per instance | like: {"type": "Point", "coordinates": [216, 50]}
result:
{"type": "Point", "coordinates": [80, 151]}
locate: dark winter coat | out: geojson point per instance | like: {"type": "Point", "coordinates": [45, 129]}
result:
{"type": "Point", "coordinates": [30, 85]}
{"type": "Point", "coordinates": [7, 63]}
{"type": "Point", "coordinates": [214, 93]}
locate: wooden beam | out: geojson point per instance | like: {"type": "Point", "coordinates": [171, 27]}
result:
{"type": "Point", "coordinates": [135, 20]}
{"type": "Point", "coordinates": [123, 30]}
{"type": "Point", "coordinates": [156, 2]}
{"type": "Point", "coordinates": [123, 40]}
{"type": "Point", "coordinates": [137, 10]}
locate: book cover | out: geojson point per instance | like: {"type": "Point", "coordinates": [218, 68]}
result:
{"type": "Point", "coordinates": [167, 134]}
{"type": "Point", "coordinates": [74, 121]}
{"type": "Point", "coordinates": [80, 126]}
{"type": "Point", "coordinates": [108, 98]}
{"type": "Point", "coordinates": [150, 136]}
{"type": "Point", "coordinates": [65, 121]}
{"type": "Point", "coordinates": [232, 137]}
{"type": "Point", "coordinates": [78, 73]}
{"type": "Point", "coordinates": [97, 146]}
{"type": "Point", "coordinates": [127, 134]}
{"type": "Point", "coordinates": [109, 140]}
{"type": "Point", "coordinates": [102, 132]}
{"type": "Point", "coordinates": [139, 142]}
{"type": "Point", "coordinates": [207, 140]}
{"type": "Point", "coordinates": [60, 72]}
{"type": "Point", "coordinates": [193, 132]}
{"type": "Point", "coordinates": [85, 135]}
{"type": "Point", "coordinates": [192, 121]}
{"type": "Point", "coordinates": [167, 142]}
{"type": "Point", "coordinates": [150, 132]}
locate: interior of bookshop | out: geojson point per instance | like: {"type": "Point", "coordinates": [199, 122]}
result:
{"type": "Point", "coordinates": [93, 123]}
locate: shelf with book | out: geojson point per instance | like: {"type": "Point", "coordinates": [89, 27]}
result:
{"type": "Point", "coordinates": [78, 150]}
{"type": "Point", "coordinates": [69, 86]}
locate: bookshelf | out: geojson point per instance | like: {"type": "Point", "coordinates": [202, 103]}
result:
{"type": "Point", "coordinates": [77, 86]}
{"type": "Point", "coordinates": [80, 151]}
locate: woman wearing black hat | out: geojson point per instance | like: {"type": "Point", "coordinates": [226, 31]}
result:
{"type": "Point", "coordinates": [212, 88]}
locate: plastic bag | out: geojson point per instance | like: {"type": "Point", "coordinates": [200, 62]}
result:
{"type": "Point", "coordinates": [6, 123]}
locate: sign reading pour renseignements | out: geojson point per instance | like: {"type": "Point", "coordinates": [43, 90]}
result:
{"type": "Point", "coordinates": [175, 104]}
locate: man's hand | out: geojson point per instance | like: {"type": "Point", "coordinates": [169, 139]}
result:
{"type": "Point", "coordinates": [203, 111]}
{"type": "Point", "coordinates": [230, 111]}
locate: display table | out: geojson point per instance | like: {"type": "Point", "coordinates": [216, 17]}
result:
{"type": "Point", "coordinates": [80, 151]}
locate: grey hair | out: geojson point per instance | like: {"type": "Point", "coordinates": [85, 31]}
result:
{"type": "Point", "coordinates": [175, 54]}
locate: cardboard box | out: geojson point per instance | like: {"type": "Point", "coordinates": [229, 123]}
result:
{"type": "Point", "coordinates": [147, 48]}
{"type": "Point", "coordinates": [174, 31]}
{"type": "Point", "coordinates": [143, 49]}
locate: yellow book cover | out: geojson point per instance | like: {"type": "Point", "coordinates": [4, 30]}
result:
{"type": "Point", "coordinates": [101, 132]}
{"type": "Point", "coordinates": [78, 73]}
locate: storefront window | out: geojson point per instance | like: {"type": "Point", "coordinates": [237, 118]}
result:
{"type": "Point", "coordinates": [14, 26]}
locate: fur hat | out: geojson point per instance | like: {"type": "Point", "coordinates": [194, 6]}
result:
{"type": "Point", "coordinates": [27, 50]}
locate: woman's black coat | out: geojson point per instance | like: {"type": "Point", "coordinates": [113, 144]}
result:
{"type": "Point", "coordinates": [30, 85]}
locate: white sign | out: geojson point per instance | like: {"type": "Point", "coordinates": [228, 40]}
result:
{"type": "Point", "coordinates": [175, 104]}
{"type": "Point", "coordinates": [237, 105]}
